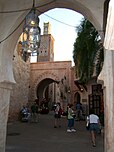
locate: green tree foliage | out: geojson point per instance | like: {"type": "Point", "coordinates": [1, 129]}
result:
{"type": "Point", "coordinates": [86, 47]}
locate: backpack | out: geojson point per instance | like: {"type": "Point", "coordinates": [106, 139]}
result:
{"type": "Point", "coordinates": [60, 112]}
{"type": "Point", "coordinates": [78, 106]}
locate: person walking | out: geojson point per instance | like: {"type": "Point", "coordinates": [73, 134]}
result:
{"type": "Point", "coordinates": [34, 112]}
{"type": "Point", "coordinates": [78, 111]}
{"type": "Point", "coordinates": [57, 115]}
{"type": "Point", "coordinates": [70, 119]}
{"type": "Point", "coordinates": [94, 123]}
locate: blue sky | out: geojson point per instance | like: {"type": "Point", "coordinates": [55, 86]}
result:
{"type": "Point", "coordinates": [64, 35]}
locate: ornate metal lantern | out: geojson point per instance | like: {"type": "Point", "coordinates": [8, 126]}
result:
{"type": "Point", "coordinates": [31, 33]}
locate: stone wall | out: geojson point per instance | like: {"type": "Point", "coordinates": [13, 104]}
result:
{"type": "Point", "coordinates": [52, 70]}
{"type": "Point", "coordinates": [19, 94]}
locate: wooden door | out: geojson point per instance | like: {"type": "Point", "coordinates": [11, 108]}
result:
{"type": "Point", "coordinates": [94, 103]}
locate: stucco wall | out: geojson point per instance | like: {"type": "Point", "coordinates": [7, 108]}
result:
{"type": "Point", "coordinates": [19, 93]}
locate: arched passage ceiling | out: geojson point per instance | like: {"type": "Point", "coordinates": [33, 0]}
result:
{"type": "Point", "coordinates": [91, 9]}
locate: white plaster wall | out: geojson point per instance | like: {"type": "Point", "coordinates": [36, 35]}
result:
{"type": "Point", "coordinates": [92, 9]}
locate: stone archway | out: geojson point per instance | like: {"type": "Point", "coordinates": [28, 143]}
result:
{"type": "Point", "coordinates": [50, 77]}
{"type": "Point", "coordinates": [93, 11]}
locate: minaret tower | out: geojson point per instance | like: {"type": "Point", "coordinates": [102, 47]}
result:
{"type": "Point", "coordinates": [46, 49]}
{"type": "Point", "coordinates": [47, 27]}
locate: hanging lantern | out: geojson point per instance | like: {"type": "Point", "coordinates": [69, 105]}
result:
{"type": "Point", "coordinates": [31, 32]}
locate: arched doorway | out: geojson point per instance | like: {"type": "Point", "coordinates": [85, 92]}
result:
{"type": "Point", "coordinates": [77, 97]}
{"type": "Point", "coordinates": [47, 88]}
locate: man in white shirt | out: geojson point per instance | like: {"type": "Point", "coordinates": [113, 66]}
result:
{"type": "Point", "coordinates": [94, 122]}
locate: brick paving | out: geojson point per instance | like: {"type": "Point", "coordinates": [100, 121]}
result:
{"type": "Point", "coordinates": [43, 137]}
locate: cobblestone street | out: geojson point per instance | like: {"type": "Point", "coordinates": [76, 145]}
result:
{"type": "Point", "coordinates": [43, 137]}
